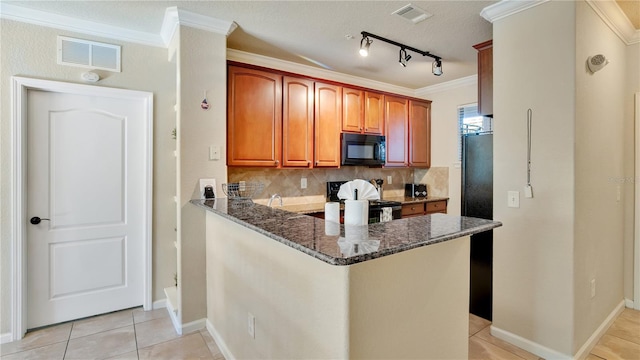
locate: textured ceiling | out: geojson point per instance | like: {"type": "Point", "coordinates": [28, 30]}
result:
{"type": "Point", "coordinates": [631, 8]}
{"type": "Point", "coordinates": [316, 33]}
{"type": "Point", "coordinates": [326, 33]}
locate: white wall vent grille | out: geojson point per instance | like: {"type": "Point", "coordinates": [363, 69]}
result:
{"type": "Point", "coordinates": [412, 13]}
{"type": "Point", "coordinates": [88, 54]}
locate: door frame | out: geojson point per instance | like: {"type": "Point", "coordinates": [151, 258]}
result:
{"type": "Point", "coordinates": [19, 89]}
{"type": "Point", "coordinates": [636, 243]}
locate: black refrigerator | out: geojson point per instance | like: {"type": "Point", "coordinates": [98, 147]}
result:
{"type": "Point", "coordinates": [477, 201]}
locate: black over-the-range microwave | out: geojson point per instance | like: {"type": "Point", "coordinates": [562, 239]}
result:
{"type": "Point", "coordinates": [361, 149]}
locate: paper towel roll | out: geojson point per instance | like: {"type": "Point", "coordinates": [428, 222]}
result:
{"type": "Point", "coordinates": [332, 212]}
{"type": "Point", "coordinates": [331, 228]}
{"type": "Point", "coordinates": [356, 212]}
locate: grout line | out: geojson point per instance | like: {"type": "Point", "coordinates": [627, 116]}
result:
{"type": "Point", "coordinates": [135, 335]}
{"type": "Point", "coordinates": [68, 339]}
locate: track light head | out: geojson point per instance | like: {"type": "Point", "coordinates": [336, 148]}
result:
{"type": "Point", "coordinates": [436, 67]}
{"type": "Point", "coordinates": [364, 45]}
{"type": "Point", "coordinates": [404, 57]}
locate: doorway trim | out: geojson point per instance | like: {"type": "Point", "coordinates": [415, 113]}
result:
{"type": "Point", "coordinates": [19, 89]}
{"type": "Point", "coordinates": [636, 227]}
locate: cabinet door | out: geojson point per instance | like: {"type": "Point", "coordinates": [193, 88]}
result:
{"type": "Point", "coordinates": [485, 78]}
{"type": "Point", "coordinates": [352, 110]}
{"type": "Point", "coordinates": [419, 133]}
{"type": "Point", "coordinates": [397, 130]}
{"type": "Point", "coordinates": [297, 122]}
{"type": "Point", "coordinates": [373, 113]}
{"type": "Point", "coordinates": [328, 122]}
{"type": "Point", "coordinates": [254, 119]}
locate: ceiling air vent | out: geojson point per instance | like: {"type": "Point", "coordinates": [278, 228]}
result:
{"type": "Point", "coordinates": [412, 13]}
{"type": "Point", "coordinates": [88, 54]}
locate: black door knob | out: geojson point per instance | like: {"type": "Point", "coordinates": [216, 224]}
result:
{"type": "Point", "coordinates": [36, 220]}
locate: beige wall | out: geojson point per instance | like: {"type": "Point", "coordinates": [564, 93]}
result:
{"type": "Point", "coordinates": [201, 67]}
{"type": "Point", "coordinates": [600, 126]}
{"type": "Point", "coordinates": [305, 308]}
{"type": "Point", "coordinates": [573, 230]}
{"type": "Point", "coordinates": [30, 51]}
{"type": "Point", "coordinates": [444, 142]}
{"type": "Point", "coordinates": [632, 86]}
{"type": "Point", "coordinates": [534, 67]}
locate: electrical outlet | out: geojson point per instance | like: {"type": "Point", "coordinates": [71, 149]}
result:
{"type": "Point", "coordinates": [303, 183]}
{"type": "Point", "coordinates": [205, 182]}
{"type": "Point", "coordinates": [389, 180]}
{"type": "Point", "coordinates": [251, 325]}
{"type": "Point", "coordinates": [593, 288]}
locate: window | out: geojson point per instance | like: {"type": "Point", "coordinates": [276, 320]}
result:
{"type": "Point", "coordinates": [469, 122]}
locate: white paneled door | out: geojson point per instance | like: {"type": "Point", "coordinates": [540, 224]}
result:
{"type": "Point", "coordinates": [86, 186]}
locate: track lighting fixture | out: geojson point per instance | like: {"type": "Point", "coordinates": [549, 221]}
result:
{"type": "Point", "coordinates": [364, 45]}
{"type": "Point", "coordinates": [403, 56]}
{"type": "Point", "coordinates": [436, 67]}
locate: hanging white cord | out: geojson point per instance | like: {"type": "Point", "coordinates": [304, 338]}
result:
{"type": "Point", "coordinates": [528, 191]}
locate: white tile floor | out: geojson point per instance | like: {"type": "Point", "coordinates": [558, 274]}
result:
{"type": "Point", "coordinates": [126, 334]}
{"type": "Point", "coordinates": [138, 334]}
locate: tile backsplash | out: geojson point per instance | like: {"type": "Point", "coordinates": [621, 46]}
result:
{"type": "Point", "coordinates": [286, 182]}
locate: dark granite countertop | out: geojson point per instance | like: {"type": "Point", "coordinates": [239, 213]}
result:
{"type": "Point", "coordinates": [318, 207]}
{"type": "Point", "coordinates": [336, 244]}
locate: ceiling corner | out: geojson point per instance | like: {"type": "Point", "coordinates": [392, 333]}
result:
{"type": "Point", "coordinates": [202, 22]}
{"type": "Point", "coordinates": [616, 20]}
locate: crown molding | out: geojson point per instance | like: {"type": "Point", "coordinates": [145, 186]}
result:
{"type": "Point", "coordinates": [447, 86]}
{"type": "Point", "coordinates": [273, 63]}
{"type": "Point", "coordinates": [616, 20]}
{"type": "Point", "coordinates": [175, 16]}
{"type": "Point", "coordinates": [506, 8]}
{"type": "Point", "coordinates": [43, 18]}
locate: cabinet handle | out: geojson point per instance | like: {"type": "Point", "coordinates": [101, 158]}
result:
{"type": "Point", "coordinates": [277, 162]}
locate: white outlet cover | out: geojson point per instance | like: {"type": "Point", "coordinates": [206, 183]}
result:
{"type": "Point", "coordinates": [205, 182]}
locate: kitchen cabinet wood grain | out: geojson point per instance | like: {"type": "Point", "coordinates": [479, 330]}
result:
{"type": "Point", "coordinates": [328, 121]}
{"type": "Point", "coordinates": [397, 130]}
{"type": "Point", "coordinates": [254, 120]}
{"type": "Point", "coordinates": [373, 113]}
{"type": "Point", "coordinates": [297, 122]}
{"type": "Point", "coordinates": [485, 78]}
{"type": "Point", "coordinates": [352, 110]}
{"type": "Point", "coordinates": [419, 133]}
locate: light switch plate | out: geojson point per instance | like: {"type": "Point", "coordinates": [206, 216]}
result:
{"type": "Point", "coordinates": [513, 199]}
{"type": "Point", "coordinates": [214, 152]}
{"type": "Point", "coordinates": [205, 182]}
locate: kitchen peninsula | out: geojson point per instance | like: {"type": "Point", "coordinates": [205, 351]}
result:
{"type": "Point", "coordinates": [315, 289]}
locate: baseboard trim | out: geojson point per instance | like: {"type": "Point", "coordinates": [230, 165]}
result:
{"type": "Point", "coordinates": [595, 337]}
{"type": "Point", "coordinates": [528, 345]}
{"type": "Point", "coordinates": [5, 338]}
{"type": "Point", "coordinates": [193, 326]}
{"type": "Point", "coordinates": [629, 304]}
{"type": "Point", "coordinates": [159, 304]}
{"type": "Point", "coordinates": [218, 339]}
{"type": "Point", "coordinates": [174, 317]}
{"type": "Point", "coordinates": [546, 353]}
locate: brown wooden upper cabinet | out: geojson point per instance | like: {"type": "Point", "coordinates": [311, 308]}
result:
{"type": "Point", "coordinates": [328, 118]}
{"type": "Point", "coordinates": [352, 110]}
{"type": "Point", "coordinates": [485, 78]}
{"type": "Point", "coordinates": [254, 119]}
{"type": "Point", "coordinates": [419, 133]}
{"type": "Point", "coordinates": [297, 122]}
{"type": "Point", "coordinates": [373, 113]}
{"type": "Point", "coordinates": [396, 112]}
{"type": "Point", "coordinates": [362, 111]}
